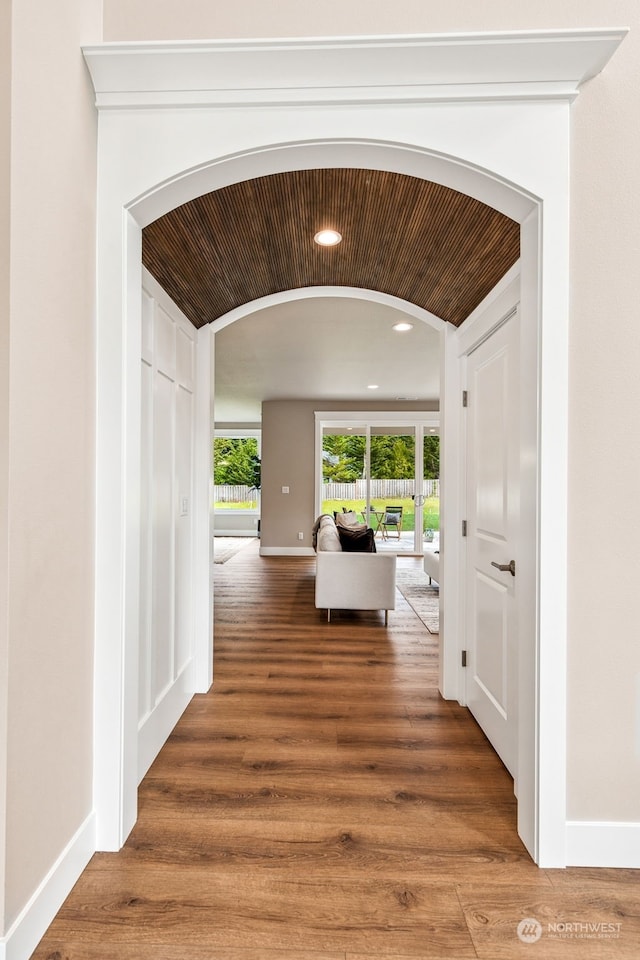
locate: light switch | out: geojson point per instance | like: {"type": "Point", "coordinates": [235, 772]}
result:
{"type": "Point", "coordinates": [184, 506]}
{"type": "Point", "coordinates": [285, 489]}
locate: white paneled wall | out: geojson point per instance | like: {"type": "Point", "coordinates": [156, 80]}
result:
{"type": "Point", "coordinates": [166, 651]}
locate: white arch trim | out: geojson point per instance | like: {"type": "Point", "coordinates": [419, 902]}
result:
{"type": "Point", "coordinates": [396, 157]}
{"type": "Point", "coordinates": [522, 205]}
{"type": "Point", "coordinates": [329, 292]}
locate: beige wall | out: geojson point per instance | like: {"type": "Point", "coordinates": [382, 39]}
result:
{"type": "Point", "coordinates": [201, 19]}
{"type": "Point", "coordinates": [5, 199]}
{"type": "Point", "coordinates": [51, 442]}
{"type": "Point", "coordinates": [604, 522]}
{"type": "Point", "coordinates": [288, 460]}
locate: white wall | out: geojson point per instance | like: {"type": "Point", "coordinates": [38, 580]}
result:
{"type": "Point", "coordinates": [233, 524]}
{"type": "Point", "coordinates": [48, 406]}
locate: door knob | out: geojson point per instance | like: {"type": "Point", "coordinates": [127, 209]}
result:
{"type": "Point", "coordinates": [506, 567]}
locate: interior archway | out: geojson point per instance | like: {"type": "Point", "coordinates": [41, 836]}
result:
{"type": "Point", "coordinates": [485, 188]}
{"type": "Point", "coordinates": [479, 159]}
{"type": "Point", "coordinates": [324, 343]}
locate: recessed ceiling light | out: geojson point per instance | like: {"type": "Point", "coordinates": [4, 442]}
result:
{"type": "Point", "coordinates": [372, 386]}
{"type": "Point", "coordinates": [328, 238]}
{"type": "Point", "coordinates": [402, 326]}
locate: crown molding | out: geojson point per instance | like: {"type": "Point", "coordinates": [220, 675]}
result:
{"type": "Point", "coordinates": [525, 65]}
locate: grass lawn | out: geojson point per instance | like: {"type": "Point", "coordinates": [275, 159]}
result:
{"type": "Point", "coordinates": [235, 505]}
{"type": "Point", "coordinates": [430, 516]}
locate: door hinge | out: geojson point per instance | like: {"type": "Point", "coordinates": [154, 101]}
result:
{"type": "Point", "coordinates": [464, 528]}
{"type": "Point", "coordinates": [464, 658]}
{"type": "Point", "coordinates": [465, 398]}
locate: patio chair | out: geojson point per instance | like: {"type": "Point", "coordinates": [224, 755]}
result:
{"type": "Point", "coordinates": [392, 521]}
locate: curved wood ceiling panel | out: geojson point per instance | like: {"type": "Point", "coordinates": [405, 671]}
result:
{"type": "Point", "coordinates": [404, 236]}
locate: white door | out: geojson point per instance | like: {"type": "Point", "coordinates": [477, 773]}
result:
{"type": "Point", "coordinates": [166, 643]}
{"type": "Point", "coordinates": [492, 531]}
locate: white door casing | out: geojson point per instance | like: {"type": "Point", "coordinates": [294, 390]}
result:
{"type": "Point", "coordinates": [492, 522]}
{"type": "Point", "coordinates": [482, 136]}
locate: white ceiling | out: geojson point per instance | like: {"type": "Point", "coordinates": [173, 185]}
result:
{"type": "Point", "coordinates": [324, 349]}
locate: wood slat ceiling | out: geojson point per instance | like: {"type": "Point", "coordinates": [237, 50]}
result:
{"type": "Point", "coordinates": [404, 236]}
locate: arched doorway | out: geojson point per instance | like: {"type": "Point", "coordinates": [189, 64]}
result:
{"type": "Point", "coordinates": [510, 153]}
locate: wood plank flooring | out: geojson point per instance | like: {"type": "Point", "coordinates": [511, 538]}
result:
{"type": "Point", "coordinates": [322, 802]}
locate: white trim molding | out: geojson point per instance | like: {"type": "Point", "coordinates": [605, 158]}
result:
{"type": "Point", "coordinates": [237, 532]}
{"type": "Point", "coordinates": [598, 843]}
{"type": "Point", "coordinates": [26, 932]}
{"type": "Point", "coordinates": [326, 292]}
{"type": "Point", "coordinates": [526, 65]}
{"type": "Point", "coordinates": [287, 552]}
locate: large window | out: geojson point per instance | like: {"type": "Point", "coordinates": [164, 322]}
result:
{"type": "Point", "coordinates": [236, 471]}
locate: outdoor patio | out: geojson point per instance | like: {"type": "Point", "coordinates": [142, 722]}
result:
{"type": "Point", "coordinates": [403, 544]}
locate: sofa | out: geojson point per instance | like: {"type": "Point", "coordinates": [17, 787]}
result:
{"type": "Point", "coordinates": [348, 576]}
{"type": "Point", "coordinates": [431, 563]}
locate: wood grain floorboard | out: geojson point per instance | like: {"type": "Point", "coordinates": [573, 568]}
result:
{"type": "Point", "coordinates": [600, 923]}
{"type": "Point", "coordinates": [323, 802]}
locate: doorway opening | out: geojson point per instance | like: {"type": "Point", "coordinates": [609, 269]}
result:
{"type": "Point", "coordinates": [387, 474]}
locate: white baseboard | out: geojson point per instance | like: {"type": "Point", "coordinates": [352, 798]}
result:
{"type": "Point", "coordinates": [25, 934]}
{"type": "Point", "coordinates": [236, 532]}
{"type": "Point", "coordinates": [603, 844]}
{"type": "Point", "coordinates": [287, 552]}
{"type": "Point", "coordinates": [157, 726]}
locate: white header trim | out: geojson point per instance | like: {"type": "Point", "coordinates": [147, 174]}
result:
{"type": "Point", "coordinates": [444, 67]}
{"type": "Point", "coordinates": [377, 418]}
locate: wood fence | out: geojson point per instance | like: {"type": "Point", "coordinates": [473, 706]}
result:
{"type": "Point", "coordinates": [229, 493]}
{"type": "Point", "coordinates": [380, 490]}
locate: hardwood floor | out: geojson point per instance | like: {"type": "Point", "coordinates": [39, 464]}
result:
{"type": "Point", "coordinates": [323, 802]}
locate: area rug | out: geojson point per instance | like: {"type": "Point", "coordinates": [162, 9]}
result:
{"type": "Point", "coordinates": [226, 547]}
{"type": "Point", "coordinates": [421, 596]}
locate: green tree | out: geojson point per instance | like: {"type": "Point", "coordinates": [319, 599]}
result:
{"type": "Point", "coordinates": [236, 461]}
{"type": "Point", "coordinates": [392, 457]}
{"type": "Point", "coordinates": [431, 458]}
{"type": "Point", "coordinates": [343, 457]}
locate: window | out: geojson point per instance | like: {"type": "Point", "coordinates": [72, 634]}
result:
{"type": "Point", "coordinates": [236, 471]}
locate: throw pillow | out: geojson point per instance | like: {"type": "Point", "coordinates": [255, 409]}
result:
{"type": "Point", "coordinates": [357, 541]}
{"type": "Point", "coordinates": [349, 519]}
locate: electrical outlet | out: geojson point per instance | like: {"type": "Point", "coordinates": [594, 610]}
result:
{"type": "Point", "coordinates": [300, 535]}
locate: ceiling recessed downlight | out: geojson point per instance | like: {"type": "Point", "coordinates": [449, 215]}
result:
{"type": "Point", "coordinates": [327, 238]}
{"type": "Point", "coordinates": [372, 386]}
{"type": "Point", "coordinates": [402, 326]}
